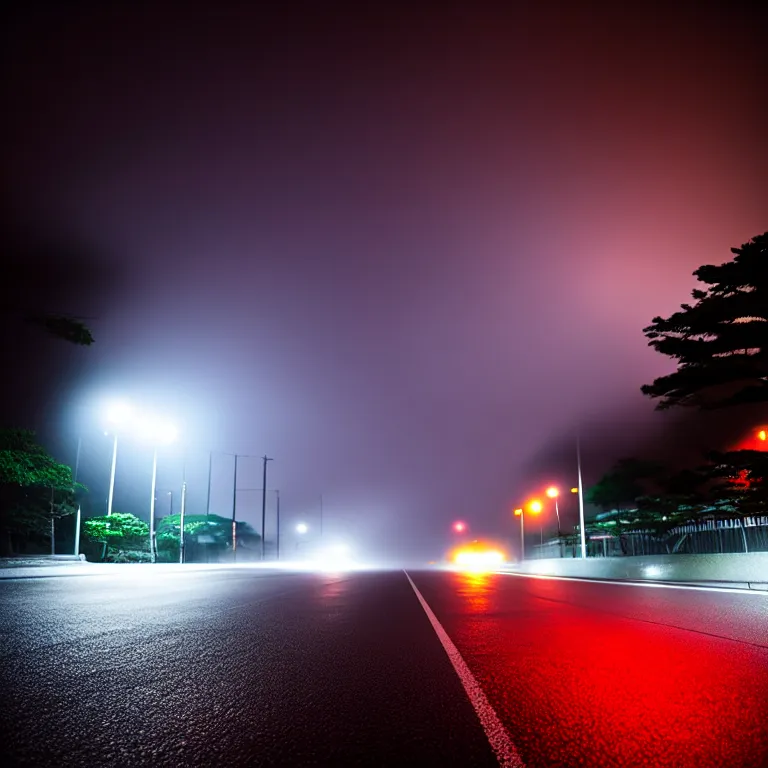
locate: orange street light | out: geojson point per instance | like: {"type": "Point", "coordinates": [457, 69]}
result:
{"type": "Point", "coordinates": [574, 490]}
{"type": "Point", "coordinates": [518, 512]}
{"type": "Point", "coordinates": [535, 506]}
{"type": "Point", "coordinates": [761, 435]}
{"type": "Point", "coordinates": [552, 492]}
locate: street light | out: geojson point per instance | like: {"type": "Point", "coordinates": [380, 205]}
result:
{"type": "Point", "coordinates": [302, 528]}
{"type": "Point", "coordinates": [459, 527]}
{"type": "Point", "coordinates": [519, 513]}
{"type": "Point", "coordinates": [553, 493]}
{"type": "Point", "coordinates": [159, 433]}
{"type": "Point", "coordinates": [116, 414]}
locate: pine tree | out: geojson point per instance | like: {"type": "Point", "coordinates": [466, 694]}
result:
{"type": "Point", "coordinates": [721, 341]}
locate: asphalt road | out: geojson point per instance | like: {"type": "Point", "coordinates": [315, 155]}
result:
{"type": "Point", "coordinates": [267, 668]}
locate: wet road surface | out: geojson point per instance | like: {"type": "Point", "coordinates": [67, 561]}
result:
{"type": "Point", "coordinates": [255, 667]}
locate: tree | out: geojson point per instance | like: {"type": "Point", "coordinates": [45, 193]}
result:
{"type": "Point", "coordinates": [721, 341]}
{"type": "Point", "coordinates": [214, 530]}
{"type": "Point", "coordinates": [34, 488]}
{"type": "Point", "coordinates": [122, 537]}
{"type": "Point", "coordinates": [31, 267]}
{"type": "Point", "coordinates": [624, 484]}
{"type": "Point", "coordinates": [739, 480]}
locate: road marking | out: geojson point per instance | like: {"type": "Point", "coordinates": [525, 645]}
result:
{"type": "Point", "coordinates": [497, 736]}
{"type": "Point", "coordinates": [655, 585]}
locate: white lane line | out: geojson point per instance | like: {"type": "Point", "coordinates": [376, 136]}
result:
{"type": "Point", "coordinates": [497, 736]}
{"type": "Point", "coordinates": [654, 585]}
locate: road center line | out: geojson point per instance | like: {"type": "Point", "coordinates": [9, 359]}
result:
{"type": "Point", "coordinates": [497, 736]}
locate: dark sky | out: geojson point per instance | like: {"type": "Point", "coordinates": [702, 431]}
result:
{"type": "Point", "coordinates": [408, 253]}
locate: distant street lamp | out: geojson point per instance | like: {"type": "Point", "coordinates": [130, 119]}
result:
{"type": "Point", "coordinates": [534, 507]}
{"type": "Point", "coordinates": [519, 513]}
{"type": "Point", "coordinates": [553, 493]}
{"type": "Point", "coordinates": [459, 527]}
{"type": "Point", "coordinates": [301, 529]}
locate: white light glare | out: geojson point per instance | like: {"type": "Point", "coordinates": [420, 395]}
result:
{"type": "Point", "coordinates": [118, 413]}
{"type": "Point", "coordinates": [302, 528]}
{"type": "Point", "coordinates": [479, 560]}
{"type": "Point", "coordinates": [157, 432]}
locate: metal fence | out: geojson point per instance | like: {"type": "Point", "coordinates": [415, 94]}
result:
{"type": "Point", "coordinates": [711, 536]}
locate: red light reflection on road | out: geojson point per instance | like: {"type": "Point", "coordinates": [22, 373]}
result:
{"type": "Point", "coordinates": [589, 688]}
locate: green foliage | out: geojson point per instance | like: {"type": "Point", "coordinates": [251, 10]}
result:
{"type": "Point", "coordinates": [119, 529]}
{"type": "Point", "coordinates": [23, 461]}
{"type": "Point", "coordinates": [124, 537]}
{"type": "Point", "coordinates": [624, 484]}
{"type": "Point", "coordinates": [218, 528]}
{"type": "Point", "coordinates": [34, 487]}
{"type": "Point", "coordinates": [721, 341]}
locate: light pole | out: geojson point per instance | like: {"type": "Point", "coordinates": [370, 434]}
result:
{"type": "Point", "coordinates": [74, 483]}
{"type": "Point", "coordinates": [117, 414]}
{"type": "Point", "coordinates": [234, 513]}
{"type": "Point", "coordinates": [553, 493]}
{"type": "Point", "coordinates": [535, 508]}
{"type": "Point", "coordinates": [158, 433]}
{"type": "Point", "coordinates": [519, 513]}
{"type": "Point", "coordinates": [183, 509]}
{"type": "Point", "coordinates": [582, 532]}
{"type": "Point", "coordinates": [266, 459]}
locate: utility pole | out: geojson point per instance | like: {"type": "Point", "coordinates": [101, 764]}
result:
{"type": "Point", "coordinates": [112, 476]}
{"type": "Point", "coordinates": [210, 471]}
{"type": "Point", "coordinates": [264, 509]}
{"type": "Point", "coordinates": [183, 509]}
{"type": "Point", "coordinates": [234, 514]}
{"type": "Point", "coordinates": [277, 538]}
{"type": "Point", "coordinates": [78, 518]}
{"type": "Point", "coordinates": [152, 501]}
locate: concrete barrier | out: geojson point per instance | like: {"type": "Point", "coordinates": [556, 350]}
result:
{"type": "Point", "coordinates": [743, 568]}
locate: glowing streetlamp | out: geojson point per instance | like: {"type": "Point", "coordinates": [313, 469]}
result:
{"type": "Point", "coordinates": [535, 506]}
{"type": "Point", "coordinates": [459, 527]}
{"type": "Point", "coordinates": [302, 528]}
{"type": "Point", "coordinates": [553, 493]}
{"type": "Point", "coordinates": [117, 415]}
{"type": "Point", "coordinates": [762, 435]}
{"type": "Point", "coordinates": [519, 513]}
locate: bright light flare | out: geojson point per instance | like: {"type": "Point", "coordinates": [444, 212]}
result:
{"type": "Point", "coordinates": [459, 527]}
{"type": "Point", "coordinates": [761, 435]}
{"type": "Point", "coordinates": [552, 492]}
{"type": "Point", "coordinates": [535, 506]}
{"type": "Point", "coordinates": [518, 512]}
{"type": "Point", "coordinates": [574, 490]}
{"type": "Point", "coordinates": [156, 432]}
{"type": "Point", "coordinates": [117, 413]}
{"type": "Point", "coordinates": [302, 528]}
{"type": "Point", "coordinates": [478, 561]}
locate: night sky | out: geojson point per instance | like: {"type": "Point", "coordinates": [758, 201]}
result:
{"type": "Point", "coordinates": [409, 254]}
